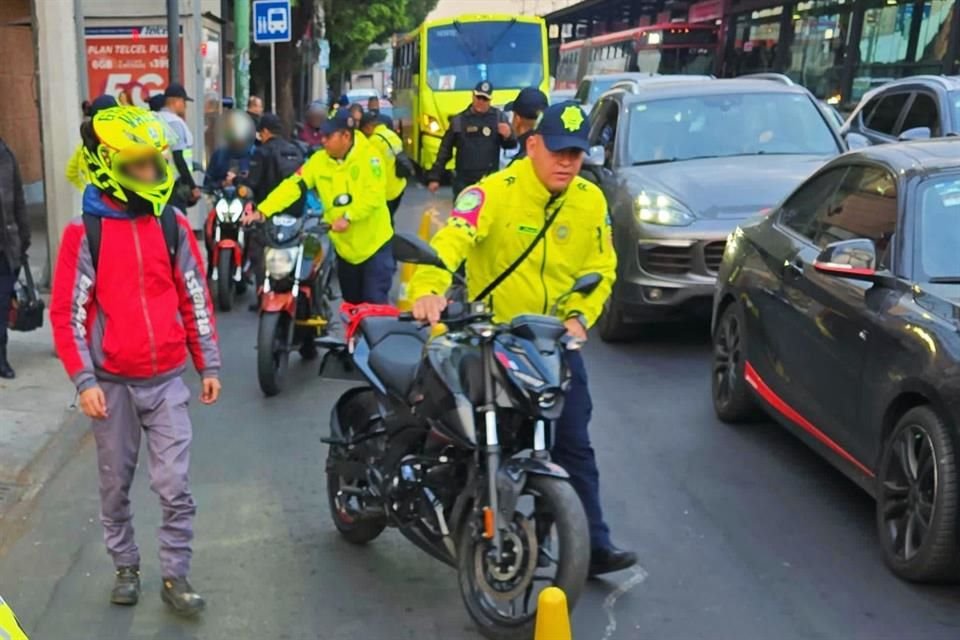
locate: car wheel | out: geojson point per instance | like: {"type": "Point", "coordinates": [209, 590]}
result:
{"type": "Point", "coordinates": [917, 499]}
{"type": "Point", "coordinates": [612, 325]}
{"type": "Point", "coordinates": [732, 399]}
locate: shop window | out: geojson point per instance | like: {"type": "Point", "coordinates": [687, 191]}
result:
{"type": "Point", "coordinates": [933, 40]}
{"type": "Point", "coordinates": [816, 52]}
{"type": "Point", "coordinates": [922, 113]}
{"type": "Point", "coordinates": [884, 117]}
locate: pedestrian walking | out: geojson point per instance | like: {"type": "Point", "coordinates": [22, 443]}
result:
{"type": "Point", "coordinates": [477, 134]}
{"type": "Point", "coordinates": [186, 193]}
{"type": "Point", "coordinates": [14, 243]}
{"type": "Point", "coordinates": [129, 302]}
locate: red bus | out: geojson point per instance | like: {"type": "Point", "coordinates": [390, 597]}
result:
{"type": "Point", "coordinates": [669, 48]}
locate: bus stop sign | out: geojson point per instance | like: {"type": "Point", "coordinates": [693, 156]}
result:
{"type": "Point", "coordinates": [271, 21]}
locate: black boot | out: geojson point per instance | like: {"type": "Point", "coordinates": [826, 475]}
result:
{"type": "Point", "coordinates": [6, 371]}
{"type": "Point", "coordinates": [126, 589]}
{"type": "Point", "coordinates": [611, 559]}
{"type": "Point", "coordinates": [181, 597]}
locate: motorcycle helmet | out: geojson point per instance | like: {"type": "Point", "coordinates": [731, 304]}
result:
{"type": "Point", "coordinates": [122, 135]}
{"type": "Point", "coordinates": [238, 130]}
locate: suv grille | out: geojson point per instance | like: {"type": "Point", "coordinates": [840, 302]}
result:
{"type": "Point", "coordinates": [669, 261]}
{"type": "Point", "coordinates": [713, 255]}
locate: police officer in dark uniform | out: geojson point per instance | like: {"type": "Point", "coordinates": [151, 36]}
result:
{"type": "Point", "coordinates": [528, 106]}
{"type": "Point", "coordinates": [477, 133]}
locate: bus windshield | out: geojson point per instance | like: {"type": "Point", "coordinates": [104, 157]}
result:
{"type": "Point", "coordinates": [462, 54]}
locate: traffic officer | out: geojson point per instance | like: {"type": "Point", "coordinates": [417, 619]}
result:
{"type": "Point", "coordinates": [350, 180]}
{"type": "Point", "coordinates": [528, 106]}
{"type": "Point", "coordinates": [551, 227]}
{"type": "Point", "coordinates": [477, 133]}
{"type": "Point", "coordinates": [389, 147]}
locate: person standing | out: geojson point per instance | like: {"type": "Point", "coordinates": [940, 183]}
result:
{"type": "Point", "coordinates": [255, 108]}
{"type": "Point", "coordinates": [186, 193]}
{"type": "Point", "coordinates": [14, 243]}
{"type": "Point", "coordinates": [349, 179]}
{"type": "Point", "coordinates": [477, 133]}
{"type": "Point", "coordinates": [396, 164]}
{"type": "Point", "coordinates": [124, 340]}
{"type": "Point", "coordinates": [310, 133]}
{"type": "Point", "coordinates": [528, 106]}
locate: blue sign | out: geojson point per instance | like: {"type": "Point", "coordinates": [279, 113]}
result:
{"type": "Point", "coordinates": [271, 21]}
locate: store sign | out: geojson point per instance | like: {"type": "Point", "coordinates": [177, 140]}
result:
{"type": "Point", "coordinates": [129, 63]}
{"type": "Point", "coordinates": [706, 11]}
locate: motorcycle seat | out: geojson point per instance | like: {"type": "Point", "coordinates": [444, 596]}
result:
{"type": "Point", "coordinates": [376, 328]}
{"type": "Point", "coordinates": [395, 360]}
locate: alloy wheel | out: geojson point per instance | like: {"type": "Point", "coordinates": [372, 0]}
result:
{"type": "Point", "coordinates": [726, 358]}
{"type": "Point", "coordinates": [909, 491]}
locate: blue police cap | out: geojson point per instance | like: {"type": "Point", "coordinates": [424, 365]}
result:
{"type": "Point", "coordinates": [530, 102]}
{"type": "Point", "coordinates": [564, 126]}
{"type": "Point", "coordinates": [341, 121]}
{"type": "Point", "coordinates": [484, 89]}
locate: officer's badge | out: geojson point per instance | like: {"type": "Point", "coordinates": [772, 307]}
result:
{"type": "Point", "coordinates": [561, 233]}
{"type": "Point", "coordinates": [509, 180]}
{"type": "Point", "coordinates": [375, 167]}
{"type": "Point", "coordinates": [487, 131]}
{"type": "Point", "coordinates": [582, 186]}
{"type": "Point", "coordinates": [468, 205]}
{"type": "Point", "coordinates": [572, 118]}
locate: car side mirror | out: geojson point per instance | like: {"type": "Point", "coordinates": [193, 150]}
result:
{"type": "Point", "coordinates": [856, 141]}
{"type": "Point", "coordinates": [916, 133]}
{"type": "Point", "coordinates": [586, 283]}
{"type": "Point", "coordinates": [595, 156]}
{"type": "Point", "coordinates": [854, 259]}
{"type": "Point", "coordinates": [413, 250]}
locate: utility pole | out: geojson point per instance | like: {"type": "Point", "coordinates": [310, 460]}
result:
{"type": "Point", "coordinates": [241, 57]}
{"type": "Point", "coordinates": [81, 46]}
{"type": "Point", "coordinates": [173, 39]}
{"type": "Point", "coordinates": [320, 88]}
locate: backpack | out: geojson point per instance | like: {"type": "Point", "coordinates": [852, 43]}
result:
{"type": "Point", "coordinates": [288, 158]}
{"type": "Point", "coordinates": [404, 165]}
{"type": "Point", "coordinates": [168, 222]}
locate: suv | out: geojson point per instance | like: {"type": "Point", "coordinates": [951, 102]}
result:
{"type": "Point", "coordinates": [909, 109]}
{"type": "Point", "coordinates": [681, 164]}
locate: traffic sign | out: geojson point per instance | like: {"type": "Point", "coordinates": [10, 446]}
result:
{"type": "Point", "coordinates": [271, 21]}
{"type": "Point", "coordinates": [324, 57]}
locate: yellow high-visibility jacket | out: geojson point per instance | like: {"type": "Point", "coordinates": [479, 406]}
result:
{"type": "Point", "coordinates": [9, 625]}
{"type": "Point", "coordinates": [494, 221]}
{"type": "Point", "coordinates": [361, 176]}
{"type": "Point", "coordinates": [388, 146]}
{"type": "Point", "coordinates": [77, 172]}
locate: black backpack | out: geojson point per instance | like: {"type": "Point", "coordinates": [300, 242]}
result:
{"type": "Point", "coordinates": [168, 222]}
{"type": "Point", "coordinates": [404, 167]}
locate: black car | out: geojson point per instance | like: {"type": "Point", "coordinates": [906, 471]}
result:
{"type": "Point", "coordinates": [913, 108]}
{"type": "Point", "coordinates": [839, 313]}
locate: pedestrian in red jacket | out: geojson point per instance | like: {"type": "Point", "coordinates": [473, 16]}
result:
{"type": "Point", "coordinates": [129, 302]}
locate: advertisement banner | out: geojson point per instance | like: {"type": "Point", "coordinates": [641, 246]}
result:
{"type": "Point", "coordinates": [129, 63]}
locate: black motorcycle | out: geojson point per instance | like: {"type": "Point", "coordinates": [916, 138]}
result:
{"type": "Point", "coordinates": [449, 442]}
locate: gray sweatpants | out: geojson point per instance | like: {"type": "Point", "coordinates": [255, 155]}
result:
{"type": "Point", "coordinates": [159, 411]}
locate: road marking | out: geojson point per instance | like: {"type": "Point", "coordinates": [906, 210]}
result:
{"type": "Point", "coordinates": [639, 575]}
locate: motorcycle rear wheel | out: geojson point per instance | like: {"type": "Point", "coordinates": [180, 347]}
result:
{"type": "Point", "coordinates": [476, 566]}
{"type": "Point", "coordinates": [226, 290]}
{"type": "Point", "coordinates": [273, 351]}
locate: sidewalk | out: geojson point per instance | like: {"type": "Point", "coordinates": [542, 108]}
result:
{"type": "Point", "coordinates": [35, 408]}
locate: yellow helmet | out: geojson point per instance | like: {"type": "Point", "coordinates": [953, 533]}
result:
{"type": "Point", "coordinates": [126, 134]}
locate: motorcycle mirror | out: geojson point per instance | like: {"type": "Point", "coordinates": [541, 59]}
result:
{"type": "Point", "coordinates": [586, 283]}
{"type": "Point", "coordinates": [342, 200]}
{"type": "Point", "coordinates": [410, 248]}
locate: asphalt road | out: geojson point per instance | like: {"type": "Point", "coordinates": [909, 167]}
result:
{"type": "Point", "coordinates": [742, 532]}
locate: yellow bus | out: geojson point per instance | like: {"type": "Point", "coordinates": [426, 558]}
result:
{"type": "Point", "coordinates": [436, 67]}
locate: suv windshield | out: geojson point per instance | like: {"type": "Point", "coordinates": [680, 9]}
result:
{"type": "Point", "coordinates": [590, 90]}
{"type": "Point", "coordinates": [939, 228]}
{"type": "Point", "coordinates": [462, 54]}
{"type": "Point", "coordinates": [726, 125]}
{"type": "Point", "coordinates": [954, 98]}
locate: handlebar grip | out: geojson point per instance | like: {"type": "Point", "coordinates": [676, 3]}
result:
{"type": "Point", "coordinates": [406, 316]}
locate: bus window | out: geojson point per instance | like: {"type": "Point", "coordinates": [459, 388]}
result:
{"type": "Point", "coordinates": [509, 55]}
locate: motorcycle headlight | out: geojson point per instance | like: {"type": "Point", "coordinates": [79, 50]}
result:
{"type": "Point", "coordinates": [659, 208]}
{"type": "Point", "coordinates": [280, 262]}
{"type": "Point", "coordinates": [223, 210]}
{"type": "Point", "coordinates": [235, 210]}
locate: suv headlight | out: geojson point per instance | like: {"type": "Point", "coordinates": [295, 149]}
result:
{"type": "Point", "coordinates": [659, 208]}
{"type": "Point", "coordinates": [280, 262]}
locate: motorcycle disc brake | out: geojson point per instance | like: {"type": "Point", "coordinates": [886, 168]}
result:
{"type": "Point", "coordinates": [507, 582]}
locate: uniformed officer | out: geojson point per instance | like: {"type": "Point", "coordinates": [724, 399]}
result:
{"type": "Point", "coordinates": [477, 133]}
{"type": "Point", "coordinates": [539, 207]}
{"type": "Point", "coordinates": [528, 106]}
{"type": "Point", "coordinates": [389, 147]}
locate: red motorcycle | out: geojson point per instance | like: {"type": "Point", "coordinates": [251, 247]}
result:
{"type": "Point", "coordinates": [226, 243]}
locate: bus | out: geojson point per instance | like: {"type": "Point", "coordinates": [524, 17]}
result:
{"type": "Point", "coordinates": [669, 48]}
{"type": "Point", "coordinates": [436, 67]}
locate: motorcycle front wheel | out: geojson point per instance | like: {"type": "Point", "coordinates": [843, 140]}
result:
{"type": "Point", "coordinates": [226, 289]}
{"type": "Point", "coordinates": [547, 544]}
{"type": "Point", "coordinates": [273, 351]}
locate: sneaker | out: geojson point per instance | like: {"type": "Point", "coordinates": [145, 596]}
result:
{"type": "Point", "coordinates": [180, 596]}
{"type": "Point", "coordinates": [126, 588]}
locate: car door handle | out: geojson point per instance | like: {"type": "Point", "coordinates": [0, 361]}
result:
{"type": "Point", "coordinates": [793, 268]}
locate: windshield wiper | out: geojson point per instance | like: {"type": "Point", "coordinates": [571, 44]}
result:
{"type": "Point", "coordinates": [944, 280]}
{"type": "Point", "coordinates": [657, 161]}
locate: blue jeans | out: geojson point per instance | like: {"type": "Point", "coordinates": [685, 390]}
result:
{"type": "Point", "coordinates": [369, 281]}
{"type": "Point", "coordinates": [572, 449]}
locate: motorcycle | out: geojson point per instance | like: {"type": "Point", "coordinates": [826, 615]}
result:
{"type": "Point", "coordinates": [227, 242]}
{"type": "Point", "coordinates": [449, 441]}
{"type": "Point", "coordinates": [297, 294]}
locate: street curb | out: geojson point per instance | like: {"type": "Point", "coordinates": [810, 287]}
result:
{"type": "Point", "coordinates": [36, 476]}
